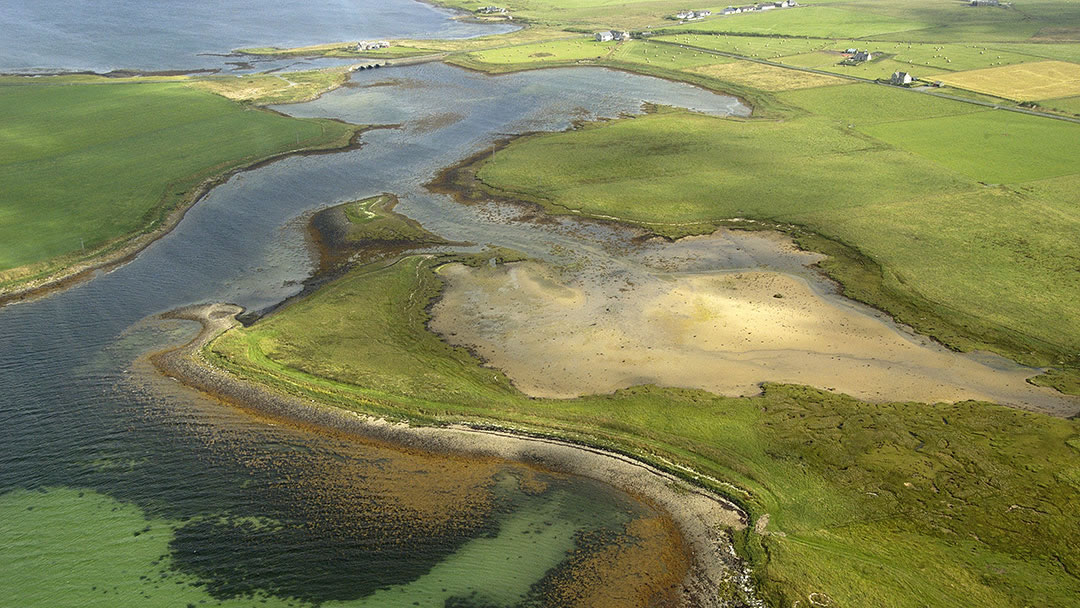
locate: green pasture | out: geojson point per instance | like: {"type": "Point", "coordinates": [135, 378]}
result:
{"type": "Point", "coordinates": [588, 14]}
{"type": "Point", "coordinates": [669, 57]}
{"type": "Point", "coordinates": [1064, 104]}
{"type": "Point", "coordinates": [991, 147]}
{"type": "Point", "coordinates": [90, 165]}
{"type": "Point", "coordinates": [864, 104]}
{"type": "Point", "coordinates": [895, 504]}
{"type": "Point", "coordinates": [809, 21]}
{"type": "Point", "coordinates": [1062, 52]}
{"type": "Point", "coordinates": [762, 47]}
{"type": "Point", "coordinates": [529, 55]}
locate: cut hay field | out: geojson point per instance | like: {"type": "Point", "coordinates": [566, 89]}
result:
{"type": "Point", "coordinates": [92, 165]}
{"type": "Point", "coordinates": [767, 77]}
{"type": "Point", "coordinates": [1027, 82]}
{"type": "Point", "coordinates": [845, 483]}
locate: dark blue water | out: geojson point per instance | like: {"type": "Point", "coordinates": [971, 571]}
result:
{"type": "Point", "coordinates": [103, 35]}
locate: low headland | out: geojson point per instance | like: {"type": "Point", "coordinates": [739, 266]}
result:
{"type": "Point", "coordinates": [157, 146]}
{"type": "Point", "coordinates": [702, 517]}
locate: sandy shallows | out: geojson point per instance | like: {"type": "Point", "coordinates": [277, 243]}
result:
{"type": "Point", "coordinates": [726, 332]}
{"type": "Point", "coordinates": [702, 518]}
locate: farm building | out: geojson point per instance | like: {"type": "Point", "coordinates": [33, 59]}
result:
{"type": "Point", "coordinates": [608, 36]}
{"type": "Point", "coordinates": [491, 10]}
{"type": "Point", "coordinates": [862, 56]}
{"type": "Point", "coordinates": [371, 45]}
{"type": "Point", "coordinates": [901, 78]}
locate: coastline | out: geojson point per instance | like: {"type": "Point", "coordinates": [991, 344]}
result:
{"type": "Point", "coordinates": [701, 517]}
{"type": "Point", "coordinates": [124, 250]}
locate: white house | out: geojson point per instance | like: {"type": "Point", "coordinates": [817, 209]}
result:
{"type": "Point", "coordinates": [901, 78]}
{"type": "Point", "coordinates": [371, 45]}
{"type": "Point", "coordinates": [605, 36]}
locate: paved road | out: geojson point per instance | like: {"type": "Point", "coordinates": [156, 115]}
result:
{"type": "Point", "coordinates": [978, 102]}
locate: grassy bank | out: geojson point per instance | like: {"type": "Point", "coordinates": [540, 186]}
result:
{"type": "Point", "coordinates": [88, 167]}
{"type": "Point", "coordinates": [401, 48]}
{"type": "Point", "coordinates": [279, 88]}
{"type": "Point", "coordinates": [978, 496]}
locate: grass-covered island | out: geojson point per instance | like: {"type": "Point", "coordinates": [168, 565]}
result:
{"type": "Point", "coordinates": [94, 168]}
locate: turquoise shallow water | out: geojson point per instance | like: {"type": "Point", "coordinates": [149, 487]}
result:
{"type": "Point", "coordinates": [115, 492]}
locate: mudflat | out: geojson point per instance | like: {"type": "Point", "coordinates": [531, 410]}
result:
{"type": "Point", "coordinates": [565, 334]}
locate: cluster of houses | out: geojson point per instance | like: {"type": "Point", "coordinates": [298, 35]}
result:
{"type": "Point", "coordinates": [691, 15]}
{"type": "Point", "coordinates": [901, 78]}
{"type": "Point", "coordinates": [857, 56]}
{"type": "Point", "coordinates": [752, 8]}
{"type": "Point", "coordinates": [491, 10]}
{"type": "Point", "coordinates": [371, 45]}
{"type": "Point", "coordinates": [734, 10]}
{"type": "Point", "coordinates": [608, 36]}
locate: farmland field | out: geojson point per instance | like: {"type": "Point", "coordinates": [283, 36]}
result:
{"type": "Point", "coordinates": [1067, 104]}
{"type": "Point", "coordinates": [766, 77]}
{"type": "Point", "coordinates": [1030, 81]}
{"type": "Point", "coordinates": [862, 104]}
{"type": "Point", "coordinates": [544, 52]}
{"type": "Point", "coordinates": [1012, 147]}
{"type": "Point", "coordinates": [812, 21]}
{"type": "Point", "coordinates": [99, 148]}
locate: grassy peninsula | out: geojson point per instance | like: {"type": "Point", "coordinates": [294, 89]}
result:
{"type": "Point", "coordinates": [979, 497]}
{"type": "Point", "coordinates": [91, 166]}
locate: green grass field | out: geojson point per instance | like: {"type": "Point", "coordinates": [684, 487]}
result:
{"type": "Point", "coordinates": [762, 47]}
{"type": "Point", "coordinates": [1066, 104]}
{"type": "Point", "coordinates": [811, 21]}
{"type": "Point", "coordinates": [531, 55]}
{"type": "Point", "coordinates": [895, 504]}
{"type": "Point", "coordinates": [93, 164]}
{"type": "Point", "coordinates": [1012, 148]}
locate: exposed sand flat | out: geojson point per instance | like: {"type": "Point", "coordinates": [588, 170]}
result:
{"type": "Point", "coordinates": [725, 332]}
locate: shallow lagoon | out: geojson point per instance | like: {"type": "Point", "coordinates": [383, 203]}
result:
{"type": "Point", "coordinates": [213, 504]}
